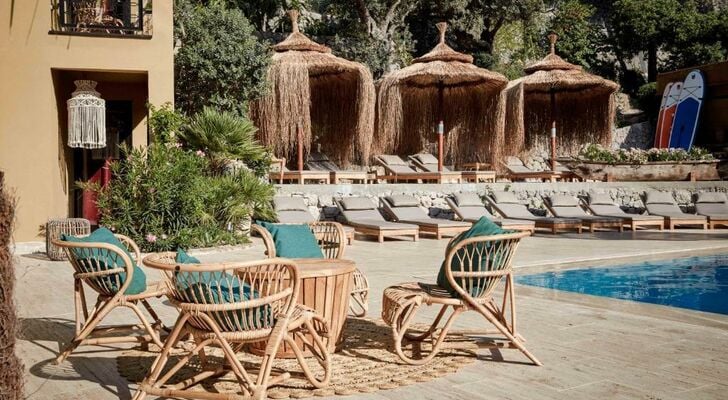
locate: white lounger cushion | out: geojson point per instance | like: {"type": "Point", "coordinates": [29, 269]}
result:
{"type": "Point", "coordinates": [659, 198]}
{"type": "Point", "coordinates": [282, 203]}
{"type": "Point", "coordinates": [392, 160]}
{"type": "Point", "coordinates": [505, 198]}
{"type": "Point", "coordinates": [600, 199]}
{"type": "Point", "coordinates": [468, 199]}
{"type": "Point", "coordinates": [357, 203]}
{"type": "Point", "coordinates": [401, 200]}
{"type": "Point", "coordinates": [712, 197]}
{"type": "Point", "coordinates": [426, 158]}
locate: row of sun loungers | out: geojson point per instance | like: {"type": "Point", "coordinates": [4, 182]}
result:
{"type": "Point", "coordinates": [407, 218]}
{"type": "Point", "coordinates": [418, 168]}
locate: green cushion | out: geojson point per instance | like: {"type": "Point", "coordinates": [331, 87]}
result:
{"type": "Point", "coordinates": [484, 227]}
{"type": "Point", "coordinates": [293, 241]}
{"type": "Point", "coordinates": [108, 260]}
{"type": "Point", "coordinates": [183, 258]}
{"type": "Point", "coordinates": [219, 288]}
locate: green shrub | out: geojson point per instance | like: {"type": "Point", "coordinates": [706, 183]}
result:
{"type": "Point", "coordinates": [225, 136]}
{"type": "Point", "coordinates": [164, 197]}
{"type": "Point", "coordinates": [165, 123]}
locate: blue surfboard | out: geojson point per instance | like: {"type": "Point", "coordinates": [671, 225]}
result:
{"type": "Point", "coordinates": [685, 124]}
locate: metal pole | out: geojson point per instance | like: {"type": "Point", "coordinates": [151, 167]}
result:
{"type": "Point", "coordinates": [300, 147]}
{"type": "Point", "coordinates": [440, 128]}
{"type": "Point", "coordinates": [553, 130]}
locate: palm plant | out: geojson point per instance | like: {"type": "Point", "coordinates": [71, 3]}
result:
{"type": "Point", "coordinates": [225, 136]}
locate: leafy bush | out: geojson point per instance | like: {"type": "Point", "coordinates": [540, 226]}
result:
{"type": "Point", "coordinates": [165, 123]}
{"type": "Point", "coordinates": [224, 136]}
{"type": "Point", "coordinates": [598, 153]}
{"type": "Point", "coordinates": [163, 197]}
{"type": "Point", "coordinates": [219, 62]}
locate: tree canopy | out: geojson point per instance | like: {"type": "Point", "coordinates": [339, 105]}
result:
{"type": "Point", "coordinates": [223, 42]}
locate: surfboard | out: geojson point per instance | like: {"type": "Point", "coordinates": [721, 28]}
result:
{"type": "Point", "coordinates": [661, 114]}
{"type": "Point", "coordinates": [668, 115]}
{"type": "Point", "coordinates": [687, 114]}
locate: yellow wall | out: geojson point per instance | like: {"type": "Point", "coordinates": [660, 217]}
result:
{"type": "Point", "coordinates": [30, 123]}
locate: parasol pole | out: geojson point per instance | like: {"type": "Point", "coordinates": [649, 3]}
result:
{"type": "Point", "coordinates": [553, 130]}
{"type": "Point", "coordinates": [440, 128]}
{"type": "Point", "coordinates": [552, 38]}
{"type": "Point", "coordinates": [299, 135]}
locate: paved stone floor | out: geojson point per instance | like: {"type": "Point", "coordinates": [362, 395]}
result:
{"type": "Point", "coordinates": [591, 347]}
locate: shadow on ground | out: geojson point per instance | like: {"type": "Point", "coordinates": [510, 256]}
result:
{"type": "Point", "coordinates": [53, 334]}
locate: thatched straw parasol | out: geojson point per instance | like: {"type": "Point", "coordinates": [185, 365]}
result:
{"type": "Point", "coordinates": [557, 93]}
{"type": "Point", "coordinates": [442, 88]}
{"type": "Point", "coordinates": [315, 98]}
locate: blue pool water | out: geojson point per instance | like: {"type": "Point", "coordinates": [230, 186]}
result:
{"type": "Point", "coordinates": [698, 283]}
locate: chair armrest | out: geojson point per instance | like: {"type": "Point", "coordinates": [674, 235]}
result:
{"type": "Point", "coordinates": [132, 246]}
{"type": "Point", "coordinates": [270, 247]}
{"type": "Point", "coordinates": [331, 237]}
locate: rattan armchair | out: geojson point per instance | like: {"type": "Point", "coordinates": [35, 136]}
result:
{"type": "Point", "coordinates": [110, 282]}
{"type": "Point", "coordinates": [476, 266]}
{"type": "Point", "coordinates": [331, 237]}
{"type": "Point", "coordinates": [228, 306]}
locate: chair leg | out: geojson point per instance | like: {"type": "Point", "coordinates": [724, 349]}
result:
{"type": "Point", "coordinates": [317, 348]}
{"type": "Point", "coordinates": [88, 327]}
{"type": "Point", "coordinates": [516, 342]}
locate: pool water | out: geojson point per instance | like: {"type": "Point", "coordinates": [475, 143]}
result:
{"type": "Point", "coordinates": [698, 283]}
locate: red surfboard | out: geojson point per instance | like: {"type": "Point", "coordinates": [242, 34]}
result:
{"type": "Point", "coordinates": [663, 139]}
{"type": "Point", "coordinates": [661, 114]}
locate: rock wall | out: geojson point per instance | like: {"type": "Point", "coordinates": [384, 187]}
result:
{"type": "Point", "coordinates": [320, 198]}
{"type": "Point", "coordinates": [640, 136]}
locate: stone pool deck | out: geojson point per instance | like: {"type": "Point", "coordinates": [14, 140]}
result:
{"type": "Point", "coordinates": [591, 347]}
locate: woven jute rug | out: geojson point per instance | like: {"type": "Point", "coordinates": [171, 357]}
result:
{"type": "Point", "coordinates": [366, 363]}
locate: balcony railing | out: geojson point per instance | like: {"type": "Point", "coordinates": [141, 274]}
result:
{"type": "Point", "coordinates": [103, 17]}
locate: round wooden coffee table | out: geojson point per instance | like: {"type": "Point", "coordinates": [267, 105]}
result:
{"type": "Point", "coordinates": [325, 287]}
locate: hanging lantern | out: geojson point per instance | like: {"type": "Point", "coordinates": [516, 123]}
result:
{"type": "Point", "coordinates": [86, 117]}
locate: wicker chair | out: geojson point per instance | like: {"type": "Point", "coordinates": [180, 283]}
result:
{"type": "Point", "coordinates": [474, 287]}
{"type": "Point", "coordinates": [228, 306]}
{"type": "Point", "coordinates": [331, 237]}
{"type": "Point", "coordinates": [110, 282]}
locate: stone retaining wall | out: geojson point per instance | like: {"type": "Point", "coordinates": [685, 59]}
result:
{"type": "Point", "coordinates": [320, 198]}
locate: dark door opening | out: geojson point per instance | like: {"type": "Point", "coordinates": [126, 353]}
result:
{"type": "Point", "coordinates": [88, 165]}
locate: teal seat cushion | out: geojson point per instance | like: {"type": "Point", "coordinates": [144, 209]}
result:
{"type": "Point", "coordinates": [293, 241]}
{"type": "Point", "coordinates": [220, 288]}
{"type": "Point", "coordinates": [484, 227]}
{"type": "Point", "coordinates": [101, 259]}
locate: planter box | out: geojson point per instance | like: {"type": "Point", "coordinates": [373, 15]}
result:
{"type": "Point", "coordinates": [652, 171]}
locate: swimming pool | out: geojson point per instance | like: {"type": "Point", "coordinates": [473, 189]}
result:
{"type": "Point", "coordinates": [698, 283]}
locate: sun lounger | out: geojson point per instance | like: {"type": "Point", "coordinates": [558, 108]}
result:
{"type": "Point", "coordinates": [664, 205]}
{"type": "Point", "coordinates": [363, 215]}
{"type": "Point", "coordinates": [566, 206]}
{"type": "Point", "coordinates": [508, 206]}
{"type": "Point", "coordinates": [517, 171]}
{"type": "Point", "coordinates": [321, 162]}
{"type": "Point", "coordinates": [283, 174]}
{"type": "Point", "coordinates": [403, 208]}
{"type": "Point", "coordinates": [601, 204]}
{"type": "Point", "coordinates": [397, 170]}
{"type": "Point", "coordinates": [428, 163]}
{"type": "Point", "coordinates": [713, 205]}
{"type": "Point", "coordinates": [469, 207]}
{"type": "Point", "coordinates": [293, 210]}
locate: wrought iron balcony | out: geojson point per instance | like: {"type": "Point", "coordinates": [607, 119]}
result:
{"type": "Point", "coordinates": [103, 17]}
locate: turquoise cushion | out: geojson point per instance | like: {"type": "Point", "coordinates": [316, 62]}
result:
{"type": "Point", "coordinates": [183, 258]}
{"type": "Point", "coordinates": [293, 241]}
{"type": "Point", "coordinates": [100, 259]}
{"type": "Point", "coordinates": [220, 288]}
{"type": "Point", "coordinates": [484, 227]}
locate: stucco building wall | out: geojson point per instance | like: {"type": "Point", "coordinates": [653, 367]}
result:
{"type": "Point", "coordinates": [32, 98]}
